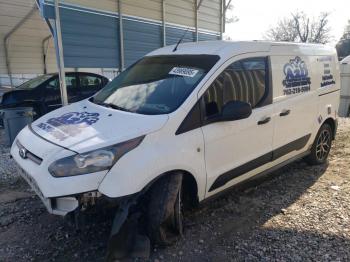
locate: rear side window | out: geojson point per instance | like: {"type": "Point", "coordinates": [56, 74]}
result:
{"type": "Point", "coordinates": [71, 83]}
{"type": "Point", "coordinates": [90, 81]}
{"type": "Point", "coordinates": [244, 80]}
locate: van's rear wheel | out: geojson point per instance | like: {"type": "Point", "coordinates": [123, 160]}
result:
{"type": "Point", "coordinates": [322, 146]}
{"type": "Point", "coordinates": [164, 216]}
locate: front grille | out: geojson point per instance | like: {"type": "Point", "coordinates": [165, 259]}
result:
{"type": "Point", "coordinates": [27, 154]}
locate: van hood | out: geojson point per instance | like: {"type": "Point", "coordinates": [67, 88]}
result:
{"type": "Point", "coordinates": [85, 126]}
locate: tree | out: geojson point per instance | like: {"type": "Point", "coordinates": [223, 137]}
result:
{"type": "Point", "coordinates": [346, 34]}
{"type": "Point", "coordinates": [343, 46]}
{"type": "Point", "coordinates": [301, 28]}
{"type": "Point", "coordinates": [231, 18]}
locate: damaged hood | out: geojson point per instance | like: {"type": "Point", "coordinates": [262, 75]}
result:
{"type": "Point", "coordinates": [85, 126]}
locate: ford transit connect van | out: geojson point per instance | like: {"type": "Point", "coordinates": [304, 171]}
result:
{"type": "Point", "coordinates": [181, 125]}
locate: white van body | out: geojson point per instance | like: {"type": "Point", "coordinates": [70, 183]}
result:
{"type": "Point", "coordinates": [301, 92]}
{"type": "Point", "coordinates": [344, 104]}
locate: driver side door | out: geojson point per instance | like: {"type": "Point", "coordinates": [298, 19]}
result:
{"type": "Point", "coordinates": [236, 150]}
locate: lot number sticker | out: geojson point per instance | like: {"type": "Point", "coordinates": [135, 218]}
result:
{"type": "Point", "coordinates": [183, 71]}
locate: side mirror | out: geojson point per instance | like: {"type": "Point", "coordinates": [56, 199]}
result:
{"type": "Point", "coordinates": [235, 110]}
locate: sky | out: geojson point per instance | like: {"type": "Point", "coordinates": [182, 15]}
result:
{"type": "Point", "coordinates": [257, 16]}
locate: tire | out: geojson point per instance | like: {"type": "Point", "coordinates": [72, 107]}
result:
{"type": "Point", "coordinates": [321, 146]}
{"type": "Point", "coordinates": [164, 214]}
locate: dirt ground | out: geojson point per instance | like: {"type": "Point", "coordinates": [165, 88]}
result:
{"type": "Point", "coordinates": [299, 213]}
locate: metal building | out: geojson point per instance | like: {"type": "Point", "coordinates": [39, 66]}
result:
{"type": "Point", "coordinates": [104, 36]}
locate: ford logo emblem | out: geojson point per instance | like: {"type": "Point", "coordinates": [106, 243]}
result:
{"type": "Point", "coordinates": [23, 153]}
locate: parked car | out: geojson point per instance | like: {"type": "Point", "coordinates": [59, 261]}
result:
{"type": "Point", "coordinates": [181, 126]}
{"type": "Point", "coordinates": [43, 92]}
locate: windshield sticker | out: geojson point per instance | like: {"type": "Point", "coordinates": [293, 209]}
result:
{"type": "Point", "coordinates": [69, 124]}
{"type": "Point", "coordinates": [297, 78]}
{"type": "Point", "coordinates": [327, 77]}
{"type": "Point", "coordinates": [183, 71]}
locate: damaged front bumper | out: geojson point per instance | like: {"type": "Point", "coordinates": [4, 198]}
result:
{"type": "Point", "coordinates": [65, 204]}
{"type": "Point", "coordinates": [57, 206]}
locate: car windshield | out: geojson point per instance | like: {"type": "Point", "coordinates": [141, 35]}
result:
{"type": "Point", "coordinates": [34, 82]}
{"type": "Point", "coordinates": [156, 85]}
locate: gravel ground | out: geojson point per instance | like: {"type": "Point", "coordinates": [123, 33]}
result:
{"type": "Point", "coordinates": [299, 213]}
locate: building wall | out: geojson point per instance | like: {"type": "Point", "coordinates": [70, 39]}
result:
{"type": "Point", "coordinates": [24, 45]}
{"type": "Point", "coordinates": [89, 31]}
{"type": "Point", "coordinates": [180, 12]}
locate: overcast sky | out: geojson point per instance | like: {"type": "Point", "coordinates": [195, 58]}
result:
{"type": "Point", "coordinates": [257, 16]}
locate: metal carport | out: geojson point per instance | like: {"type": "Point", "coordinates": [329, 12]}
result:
{"type": "Point", "coordinates": [102, 34]}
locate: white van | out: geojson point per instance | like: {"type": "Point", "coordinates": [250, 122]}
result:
{"type": "Point", "coordinates": [183, 124]}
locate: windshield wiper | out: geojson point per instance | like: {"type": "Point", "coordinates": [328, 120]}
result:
{"type": "Point", "coordinates": [117, 107]}
{"type": "Point", "coordinates": [109, 105]}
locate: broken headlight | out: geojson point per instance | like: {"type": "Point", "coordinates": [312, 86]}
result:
{"type": "Point", "coordinates": [93, 161]}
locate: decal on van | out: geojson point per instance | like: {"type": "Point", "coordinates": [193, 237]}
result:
{"type": "Point", "coordinates": [297, 78]}
{"type": "Point", "coordinates": [327, 77]}
{"type": "Point", "coordinates": [69, 124]}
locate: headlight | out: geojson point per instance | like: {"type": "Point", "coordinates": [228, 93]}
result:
{"type": "Point", "coordinates": [93, 161]}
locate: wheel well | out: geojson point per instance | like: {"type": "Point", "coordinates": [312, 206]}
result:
{"type": "Point", "coordinates": [189, 187]}
{"type": "Point", "coordinates": [331, 122]}
{"type": "Point", "coordinates": [190, 190]}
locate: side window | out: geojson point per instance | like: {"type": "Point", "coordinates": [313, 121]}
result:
{"type": "Point", "coordinates": [244, 80]}
{"type": "Point", "coordinates": [53, 84]}
{"type": "Point", "coordinates": [71, 82]}
{"type": "Point", "coordinates": [90, 82]}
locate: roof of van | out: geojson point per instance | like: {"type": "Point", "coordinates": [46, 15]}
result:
{"type": "Point", "coordinates": [229, 48]}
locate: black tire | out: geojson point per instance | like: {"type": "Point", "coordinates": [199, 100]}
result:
{"type": "Point", "coordinates": [321, 146]}
{"type": "Point", "coordinates": [164, 214]}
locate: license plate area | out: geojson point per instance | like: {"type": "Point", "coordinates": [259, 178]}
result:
{"type": "Point", "coordinates": [36, 189]}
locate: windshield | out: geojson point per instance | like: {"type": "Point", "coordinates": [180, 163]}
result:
{"type": "Point", "coordinates": [34, 82]}
{"type": "Point", "coordinates": [156, 85]}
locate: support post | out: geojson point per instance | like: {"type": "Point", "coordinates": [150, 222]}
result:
{"type": "Point", "coordinates": [196, 18]}
{"type": "Point", "coordinates": [59, 58]}
{"type": "Point", "coordinates": [121, 36]}
{"type": "Point", "coordinates": [163, 22]}
{"type": "Point", "coordinates": [221, 18]}
{"type": "Point", "coordinates": [198, 4]}
{"type": "Point", "coordinates": [45, 49]}
{"type": "Point", "coordinates": [7, 37]}
{"type": "Point", "coordinates": [8, 66]}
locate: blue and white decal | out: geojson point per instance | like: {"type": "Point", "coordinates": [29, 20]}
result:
{"type": "Point", "coordinates": [69, 124]}
{"type": "Point", "coordinates": [297, 78]}
{"type": "Point", "coordinates": [327, 77]}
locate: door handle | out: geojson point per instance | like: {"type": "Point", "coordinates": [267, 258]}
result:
{"type": "Point", "coordinates": [264, 121]}
{"type": "Point", "coordinates": [285, 112]}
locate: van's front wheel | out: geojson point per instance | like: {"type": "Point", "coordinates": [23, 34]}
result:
{"type": "Point", "coordinates": [164, 216]}
{"type": "Point", "coordinates": [321, 147]}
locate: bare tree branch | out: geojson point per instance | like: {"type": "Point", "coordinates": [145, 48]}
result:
{"type": "Point", "coordinates": [301, 28]}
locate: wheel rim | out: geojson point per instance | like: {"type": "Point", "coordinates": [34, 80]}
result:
{"type": "Point", "coordinates": [323, 145]}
